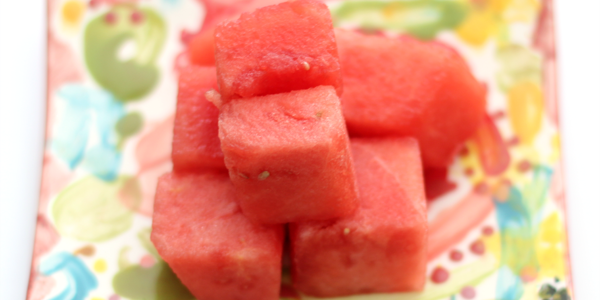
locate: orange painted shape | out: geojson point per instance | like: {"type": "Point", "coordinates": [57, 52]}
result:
{"type": "Point", "coordinates": [525, 110]}
{"type": "Point", "coordinates": [454, 223]}
{"type": "Point", "coordinates": [492, 151]}
{"type": "Point", "coordinates": [202, 48]}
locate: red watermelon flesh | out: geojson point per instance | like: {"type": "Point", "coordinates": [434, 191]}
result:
{"type": "Point", "coordinates": [406, 87]}
{"type": "Point", "coordinates": [218, 11]}
{"type": "Point", "coordinates": [277, 49]}
{"type": "Point", "coordinates": [437, 183]}
{"type": "Point", "coordinates": [202, 49]}
{"type": "Point", "coordinates": [288, 156]}
{"type": "Point", "coordinates": [196, 142]}
{"type": "Point", "coordinates": [216, 252]}
{"type": "Point", "coordinates": [382, 247]}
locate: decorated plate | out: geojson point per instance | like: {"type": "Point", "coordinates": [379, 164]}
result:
{"type": "Point", "coordinates": [497, 225]}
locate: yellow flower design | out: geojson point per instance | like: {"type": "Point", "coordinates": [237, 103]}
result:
{"type": "Point", "coordinates": [525, 109]}
{"type": "Point", "coordinates": [487, 18]}
{"type": "Point", "coordinates": [72, 12]}
{"type": "Point", "coordinates": [493, 245]}
{"type": "Point", "coordinates": [550, 247]}
{"type": "Point", "coordinates": [100, 266]}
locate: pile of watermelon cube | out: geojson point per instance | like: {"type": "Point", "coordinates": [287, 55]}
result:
{"type": "Point", "coordinates": [315, 136]}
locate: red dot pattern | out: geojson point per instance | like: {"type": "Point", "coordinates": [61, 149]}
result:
{"type": "Point", "coordinates": [477, 247]}
{"type": "Point", "coordinates": [440, 275]}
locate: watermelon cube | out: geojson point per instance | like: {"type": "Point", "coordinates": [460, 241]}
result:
{"type": "Point", "coordinates": [288, 156]}
{"type": "Point", "coordinates": [382, 247]}
{"type": "Point", "coordinates": [216, 252]}
{"type": "Point", "coordinates": [202, 49]}
{"type": "Point", "coordinates": [277, 49]}
{"type": "Point", "coordinates": [405, 87]}
{"type": "Point", "coordinates": [196, 144]}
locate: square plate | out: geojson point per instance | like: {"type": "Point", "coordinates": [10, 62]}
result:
{"type": "Point", "coordinates": [498, 226]}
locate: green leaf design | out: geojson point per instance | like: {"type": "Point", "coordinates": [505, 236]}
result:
{"type": "Point", "coordinates": [91, 209]}
{"type": "Point", "coordinates": [129, 125]}
{"type": "Point", "coordinates": [517, 64]}
{"type": "Point", "coordinates": [535, 193]}
{"type": "Point", "coordinates": [122, 261]}
{"type": "Point", "coordinates": [128, 78]}
{"type": "Point", "coordinates": [155, 283]}
{"type": "Point", "coordinates": [420, 18]}
{"type": "Point", "coordinates": [518, 249]}
{"type": "Point", "coordinates": [144, 237]}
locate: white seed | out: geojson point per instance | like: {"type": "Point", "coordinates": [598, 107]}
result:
{"type": "Point", "coordinates": [346, 231]}
{"type": "Point", "coordinates": [214, 97]}
{"type": "Point", "coordinates": [306, 65]}
{"type": "Point", "coordinates": [263, 175]}
{"type": "Point", "coordinates": [243, 175]}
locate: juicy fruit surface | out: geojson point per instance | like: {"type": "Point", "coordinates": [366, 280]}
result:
{"type": "Point", "coordinates": [288, 156]}
{"type": "Point", "coordinates": [202, 49]}
{"type": "Point", "coordinates": [299, 53]}
{"type": "Point", "coordinates": [217, 253]}
{"type": "Point", "coordinates": [382, 247]}
{"type": "Point", "coordinates": [437, 183]}
{"type": "Point", "coordinates": [196, 142]}
{"type": "Point", "coordinates": [405, 87]}
{"type": "Point", "coordinates": [219, 11]}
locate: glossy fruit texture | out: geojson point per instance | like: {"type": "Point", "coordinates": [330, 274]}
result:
{"type": "Point", "coordinates": [202, 48]}
{"type": "Point", "coordinates": [196, 144]}
{"type": "Point", "coordinates": [213, 248]}
{"type": "Point", "coordinates": [406, 87]}
{"type": "Point", "coordinates": [288, 156]}
{"type": "Point", "coordinates": [437, 183]}
{"type": "Point", "coordinates": [277, 49]}
{"type": "Point", "coordinates": [381, 248]}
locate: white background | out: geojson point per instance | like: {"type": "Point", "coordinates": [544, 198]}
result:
{"type": "Point", "coordinates": [22, 111]}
